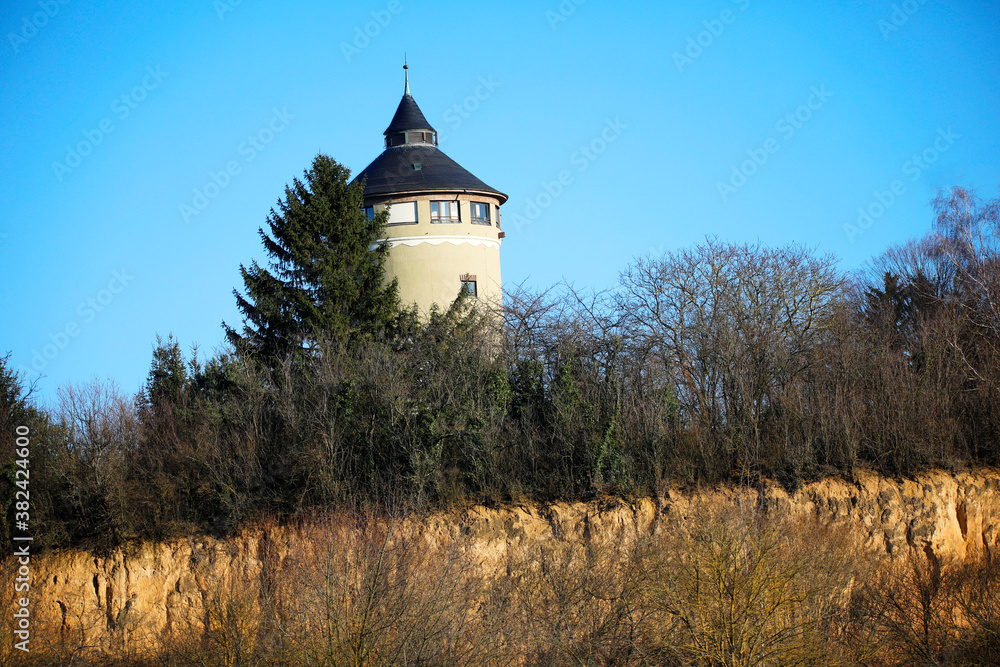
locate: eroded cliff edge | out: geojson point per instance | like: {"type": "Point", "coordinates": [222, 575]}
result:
{"type": "Point", "coordinates": [162, 591]}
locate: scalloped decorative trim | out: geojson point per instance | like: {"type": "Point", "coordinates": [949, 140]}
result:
{"type": "Point", "coordinates": [437, 240]}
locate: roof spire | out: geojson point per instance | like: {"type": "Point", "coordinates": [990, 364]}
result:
{"type": "Point", "coordinates": [406, 73]}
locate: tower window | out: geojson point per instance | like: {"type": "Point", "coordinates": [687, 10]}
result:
{"type": "Point", "coordinates": [480, 213]}
{"type": "Point", "coordinates": [403, 213]}
{"type": "Point", "coordinates": [469, 285]}
{"type": "Point", "coordinates": [444, 211]}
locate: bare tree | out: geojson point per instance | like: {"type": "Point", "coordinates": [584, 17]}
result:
{"type": "Point", "coordinates": [729, 327]}
{"type": "Point", "coordinates": [101, 429]}
{"type": "Point", "coordinates": [968, 235]}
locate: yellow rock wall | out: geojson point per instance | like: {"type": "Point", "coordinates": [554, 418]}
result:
{"type": "Point", "coordinates": [127, 601]}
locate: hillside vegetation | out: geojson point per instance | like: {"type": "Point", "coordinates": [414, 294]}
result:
{"type": "Point", "coordinates": [721, 362]}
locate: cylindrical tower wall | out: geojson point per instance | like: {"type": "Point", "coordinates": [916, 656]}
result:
{"type": "Point", "coordinates": [441, 243]}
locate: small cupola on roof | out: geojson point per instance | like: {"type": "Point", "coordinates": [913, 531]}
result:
{"type": "Point", "coordinates": [408, 125]}
{"type": "Point", "coordinates": [411, 161]}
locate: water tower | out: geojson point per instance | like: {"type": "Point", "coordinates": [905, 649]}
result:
{"type": "Point", "coordinates": [444, 223]}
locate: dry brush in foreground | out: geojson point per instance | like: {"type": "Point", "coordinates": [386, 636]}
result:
{"type": "Point", "coordinates": [721, 585]}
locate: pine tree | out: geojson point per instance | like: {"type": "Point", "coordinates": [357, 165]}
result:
{"type": "Point", "coordinates": [167, 377]}
{"type": "Point", "coordinates": [324, 279]}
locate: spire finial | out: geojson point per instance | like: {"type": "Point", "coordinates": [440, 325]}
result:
{"type": "Point", "coordinates": [406, 73]}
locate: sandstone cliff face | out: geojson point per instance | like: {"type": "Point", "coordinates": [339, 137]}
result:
{"type": "Point", "coordinates": [163, 591]}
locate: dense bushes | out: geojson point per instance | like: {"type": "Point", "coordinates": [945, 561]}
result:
{"type": "Point", "coordinates": [720, 362]}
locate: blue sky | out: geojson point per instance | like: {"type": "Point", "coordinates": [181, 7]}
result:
{"type": "Point", "coordinates": [617, 130]}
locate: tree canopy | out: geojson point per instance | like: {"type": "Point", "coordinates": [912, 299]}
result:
{"type": "Point", "coordinates": [325, 277]}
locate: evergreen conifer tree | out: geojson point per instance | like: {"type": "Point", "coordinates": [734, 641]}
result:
{"type": "Point", "coordinates": [323, 278]}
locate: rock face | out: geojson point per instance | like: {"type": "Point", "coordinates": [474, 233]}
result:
{"type": "Point", "coordinates": [132, 601]}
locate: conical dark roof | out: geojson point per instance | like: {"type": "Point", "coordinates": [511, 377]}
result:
{"type": "Point", "coordinates": [408, 117]}
{"type": "Point", "coordinates": [416, 165]}
{"type": "Point", "coordinates": [419, 168]}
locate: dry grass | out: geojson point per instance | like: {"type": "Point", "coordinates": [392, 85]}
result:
{"type": "Point", "coordinates": [723, 586]}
